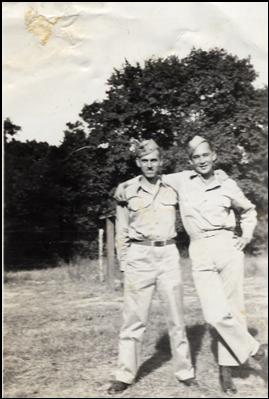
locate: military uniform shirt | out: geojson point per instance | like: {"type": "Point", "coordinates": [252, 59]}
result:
{"type": "Point", "coordinates": [207, 208]}
{"type": "Point", "coordinates": [143, 214]}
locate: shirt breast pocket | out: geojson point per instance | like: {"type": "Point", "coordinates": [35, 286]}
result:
{"type": "Point", "coordinates": [169, 200]}
{"type": "Point", "coordinates": [136, 203]}
{"type": "Point", "coordinates": [168, 197]}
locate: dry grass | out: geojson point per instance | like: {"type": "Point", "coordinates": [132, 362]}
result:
{"type": "Point", "coordinates": [61, 335]}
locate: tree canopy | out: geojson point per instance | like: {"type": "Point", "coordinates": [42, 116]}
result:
{"type": "Point", "coordinates": [210, 93]}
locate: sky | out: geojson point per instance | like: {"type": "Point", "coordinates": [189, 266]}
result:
{"type": "Point", "coordinates": [58, 56]}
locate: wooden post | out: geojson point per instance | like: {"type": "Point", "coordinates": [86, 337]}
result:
{"type": "Point", "coordinates": [101, 258]}
{"type": "Point", "coordinates": [110, 252]}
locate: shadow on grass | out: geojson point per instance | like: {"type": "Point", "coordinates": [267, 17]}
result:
{"type": "Point", "coordinates": [163, 354]}
{"type": "Point", "coordinates": [245, 370]}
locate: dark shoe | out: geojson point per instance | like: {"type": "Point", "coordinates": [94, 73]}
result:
{"type": "Point", "coordinates": [190, 382]}
{"type": "Point", "coordinates": [226, 381]}
{"type": "Point", "coordinates": [261, 354]}
{"type": "Point", "coordinates": [117, 387]}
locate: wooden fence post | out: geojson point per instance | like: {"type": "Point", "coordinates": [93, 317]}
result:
{"type": "Point", "coordinates": [101, 254]}
{"type": "Point", "coordinates": [110, 252]}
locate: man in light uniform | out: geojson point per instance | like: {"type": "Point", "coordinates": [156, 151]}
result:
{"type": "Point", "coordinates": [207, 201]}
{"type": "Point", "coordinates": [145, 231]}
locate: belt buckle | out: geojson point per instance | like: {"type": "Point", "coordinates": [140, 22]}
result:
{"type": "Point", "coordinates": [159, 243]}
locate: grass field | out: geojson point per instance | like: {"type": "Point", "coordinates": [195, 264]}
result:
{"type": "Point", "coordinates": [61, 330]}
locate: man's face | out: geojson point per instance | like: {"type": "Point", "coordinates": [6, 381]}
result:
{"type": "Point", "coordinates": [202, 159]}
{"type": "Point", "coordinates": [150, 164]}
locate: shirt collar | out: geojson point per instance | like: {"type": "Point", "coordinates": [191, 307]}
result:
{"type": "Point", "coordinates": [214, 184]}
{"type": "Point", "coordinates": [140, 184]}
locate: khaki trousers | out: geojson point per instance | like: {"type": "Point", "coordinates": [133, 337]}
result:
{"type": "Point", "coordinates": [149, 268]}
{"type": "Point", "coordinates": [218, 272]}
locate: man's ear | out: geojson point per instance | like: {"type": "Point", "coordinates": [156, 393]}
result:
{"type": "Point", "coordinates": [214, 156]}
{"type": "Point", "coordinates": [190, 161]}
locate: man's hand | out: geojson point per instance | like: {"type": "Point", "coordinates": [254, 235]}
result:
{"type": "Point", "coordinates": [241, 242]}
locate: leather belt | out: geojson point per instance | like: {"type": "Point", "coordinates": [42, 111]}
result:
{"type": "Point", "coordinates": [153, 243]}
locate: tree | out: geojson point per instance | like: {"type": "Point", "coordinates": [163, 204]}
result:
{"type": "Point", "coordinates": [10, 129]}
{"type": "Point", "coordinates": [32, 199]}
{"type": "Point", "coordinates": [208, 92]}
{"type": "Point", "coordinates": [63, 191]}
